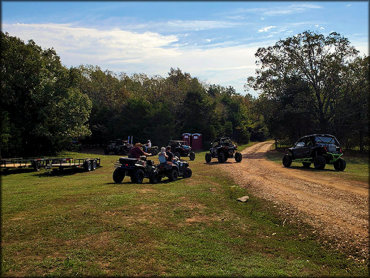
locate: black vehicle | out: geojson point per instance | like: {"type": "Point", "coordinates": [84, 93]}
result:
{"type": "Point", "coordinates": [180, 149]}
{"type": "Point", "coordinates": [222, 149]}
{"type": "Point", "coordinates": [153, 150]}
{"type": "Point", "coordinates": [173, 171]}
{"type": "Point", "coordinates": [118, 146]}
{"type": "Point", "coordinates": [138, 169]}
{"type": "Point", "coordinates": [319, 149]}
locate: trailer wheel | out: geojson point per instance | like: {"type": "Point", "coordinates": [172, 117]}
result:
{"type": "Point", "coordinates": [87, 166]}
{"type": "Point", "coordinates": [118, 175]}
{"type": "Point", "coordinates": [94, 165]}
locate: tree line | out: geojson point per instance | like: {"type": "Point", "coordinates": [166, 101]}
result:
{"type": "Point", "coordinates": [307, 83]}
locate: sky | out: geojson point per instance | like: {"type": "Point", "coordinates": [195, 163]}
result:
{"type": "Point", "coordinates": [212, 40]}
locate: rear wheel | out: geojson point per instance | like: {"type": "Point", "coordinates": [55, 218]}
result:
{"type": "Point", "coordinates": [138, 176]}
{"type": "Point", "coordinates": [94, 164]}
{"type": "Point", "coordinates": [319, 162]}
{"type": "Point", "coordinates": [192, 156]}
{"type": "Point", "coordinates": [188, 173]}
{"type": "Point", "coordinates": [221, 157]}
{"type": "Point", "coordinates": [118, 175]}
{"type": "Point", "coordinates": [238, 157]}
{"type": "Point", "coordinates": [173, 175]}
{"type": "Point", "coordinates": [306, 164]}
{"type": "Point", "coordinates": [208, 157]}
{"type": "Point", "coordinates": [340, 164]}
{"type": "Point", "coordinates": [287, 160]}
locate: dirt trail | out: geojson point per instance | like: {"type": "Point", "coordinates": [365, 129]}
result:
{"type": "Point", "coordinates": [337, 209]}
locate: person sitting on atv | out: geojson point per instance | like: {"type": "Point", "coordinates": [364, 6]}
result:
{"type": "Point", "coordinates": [136, 152]}
{"type": "Point", "coordinates": [162, 156]}
{"type": "Point", "coordinates": [169, 154]}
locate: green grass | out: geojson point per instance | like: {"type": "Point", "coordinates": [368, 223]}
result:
{"type": "Point", "coordinates": [84, 224]}
{"type": "Point", "coordinates": [357, 165]}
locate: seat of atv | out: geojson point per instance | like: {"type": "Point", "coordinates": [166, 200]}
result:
{"type": "Point", "coordinates": [129, 161]}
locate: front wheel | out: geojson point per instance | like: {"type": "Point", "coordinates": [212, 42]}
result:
{"type": "Point", "coordinates": [118, 175]}
{"type": "Point", "coordinates": [173, 175]}
{"type": "Point", "coordinates": [238, 157]}
{"type": "Point", "coordinates": [138, 176]}
{"type": "Point", "coordinates": [221, 157]}
{"type": "Point", "coordinates": [188, 173]}
{"type": "Point", "coordinates": [208, 157]}
{"type": "Point", "coordinates": [340, 164]}
{"type": "Point", "coordinates": [192, 156]}
{"type": "Point", "coordinates": [319, 162]}
{"type": "Point", "coordinates": [287, 160]}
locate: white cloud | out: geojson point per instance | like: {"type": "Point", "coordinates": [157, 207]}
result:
{"type": "Point", "coordinates": [148, 52]}
{"type": "Point", "coordinates": [265, 29]}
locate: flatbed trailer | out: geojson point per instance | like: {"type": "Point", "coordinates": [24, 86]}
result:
{"type": "Point", "coordinates": [88, 164]}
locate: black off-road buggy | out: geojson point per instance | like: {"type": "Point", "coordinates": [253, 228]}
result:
{"type": "Point", "coordinates": [138, 169]}
{"type": "Point", "coordinates": [319, 149]}
{"type": "Point", "coordinates": [222, 149]}
{"type": "Point", "coordinates": [180, 149]}
{"type": "Point", "coordinates": [118, 146]}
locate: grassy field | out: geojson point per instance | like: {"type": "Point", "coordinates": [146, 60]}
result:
{"type": "Point", "coordinates": [357, 165]}
{"type": "Point", "coordinates": [79, 223]}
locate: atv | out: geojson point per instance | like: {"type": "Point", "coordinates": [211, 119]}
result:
{"type": "Point", "coordinates": [222, 149]}
{"type": "Point", "coordinates": [118, 146]}
{"type": "Point", "coordinates": [137, 169]}
{"type": "Point", "coordinates": [180, 149]}
{"type": "Point", "coordinates": [173, 170]}
{"type": "Point", "coordinates": [319, 149]}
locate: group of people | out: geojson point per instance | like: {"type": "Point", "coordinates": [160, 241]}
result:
{"type": "Point", "coordinates": [165, 156]}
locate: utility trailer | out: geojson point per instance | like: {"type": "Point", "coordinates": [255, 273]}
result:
{"type": "Point", "coordinates": [19, 163]}
{"type": "Point", "coordinates": [88, 164]}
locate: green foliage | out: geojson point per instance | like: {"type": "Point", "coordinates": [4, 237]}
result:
{"type": "Point", "coordinates": [312, 83]}
{"type": "Point", "coordinates": [41, 110]}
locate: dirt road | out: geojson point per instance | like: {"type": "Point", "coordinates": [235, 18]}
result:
{"type": "Point", "coordinates": [337, 209]}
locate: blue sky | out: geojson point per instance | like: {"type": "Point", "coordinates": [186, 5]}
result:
{"type": "Point", "coordinates": [214, 41]}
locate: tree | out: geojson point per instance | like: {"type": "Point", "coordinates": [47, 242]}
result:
{"type": "Point", "coordinates": [316, 60]}
{"type": "Point", "coordinates": [41, 111]}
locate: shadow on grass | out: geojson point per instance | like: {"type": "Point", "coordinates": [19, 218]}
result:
{"type": "Point", "coordinates": [145, 182]}
{"type": "Point", "coordinates": [58, 172]}
{"type": "Point", "coordinates": [6, 172]}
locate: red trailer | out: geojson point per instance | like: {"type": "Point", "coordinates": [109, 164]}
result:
{"type": "Point", "coordinates": [196, 141]}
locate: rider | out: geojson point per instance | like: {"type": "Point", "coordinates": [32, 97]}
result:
{"type": "Point", "coordinates": [137, 151]}
{"type": "Point", "coordinates": [169, 154]}
{"type": "Point", "coordinates": [162, 156]}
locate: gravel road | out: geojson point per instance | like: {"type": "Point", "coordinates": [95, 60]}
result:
{"type": "Point", "coordinates": [336, 209]}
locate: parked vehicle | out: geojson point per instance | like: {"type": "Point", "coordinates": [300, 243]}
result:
{"type": "Point", "coordinates": [223, 148]}
{"type": "Point", "coordinates": [117, 147]}
{"type": "Point", "coordinates": [138, 169]}
{"type": "Point", "coordinates": [180, 149]}
{"type": "Point", "coordinates": [319, 149]}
